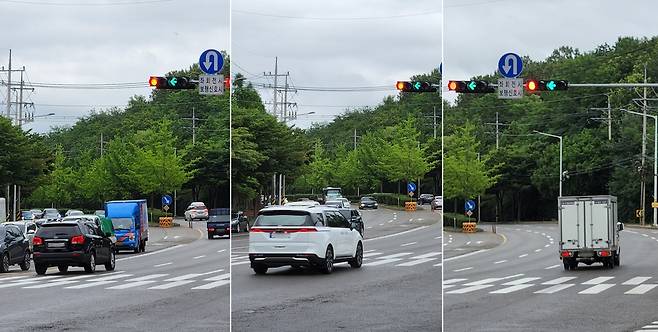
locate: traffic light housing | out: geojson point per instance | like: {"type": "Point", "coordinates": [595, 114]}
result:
{"type": "Point", "coordinates": [532, 85]}
{"type": "Point", "coordinates": [171, 83]}
{"type": "Point", "coordinates": [415, 86]}
{"type": "Point", "coordinates": [470, 87]}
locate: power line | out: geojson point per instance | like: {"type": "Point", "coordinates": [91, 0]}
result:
{"type": "Point", "coordinates": [365, 18]}
{"type": "Point", "coordinates": [86, 4]}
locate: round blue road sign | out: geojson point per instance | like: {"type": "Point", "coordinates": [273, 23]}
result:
{"type": "Point", "coordinates": [469, 205]}
{"type": "Point", "coordinates": [166, 200]}
{"type": "Point", "coordinates": [211, 61]}
{"type": "Point", "coordinates": [510, 65]}
{"type": "Point", "coordinates": [411, 186]}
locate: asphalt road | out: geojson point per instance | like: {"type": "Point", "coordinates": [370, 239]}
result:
{"type": "Point", "coordinates": [181, 283]}
{"type": "Point", "coordinates": [517, 283]}
{"type": "Point", "coordinates": [397, 289]}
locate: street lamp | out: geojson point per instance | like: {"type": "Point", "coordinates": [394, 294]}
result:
{"type": "Point", "coordinates": [560, 138]}
{"type": "Point", "coordinates": [655, 162]}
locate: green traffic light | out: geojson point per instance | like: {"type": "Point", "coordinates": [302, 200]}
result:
{"type": "Point", "coordinates": [472, 85]}
{"type": "Point", "coordinates": [173, 81]}
{"type": "Point", "coordinates": [551, 85]}
{"type": "Point", "coordinates": [417, 85]}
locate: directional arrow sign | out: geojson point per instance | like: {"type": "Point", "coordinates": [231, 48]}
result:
{"type": "Point", "coordinates": [417, 85]}
{"type": "Point", "coordinates": [551, 85]}
{"type": "Point", "coordinates": [510, 65]}
{"type": "Point", "coordinates": [211, 61]}
{"type": "Point", "coordinates": [173, 81]}
{"type": "Point", "coordinates": [472, 85]}
{"type": "Point", "coordinates": [469, 205]}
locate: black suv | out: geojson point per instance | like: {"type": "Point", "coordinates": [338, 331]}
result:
{"type": "Point", "coordinates": [72, 243]}
{"type": "Point", "coordinates": [14, 248]}
{"type": "Point", "coordinates": [354, 217]}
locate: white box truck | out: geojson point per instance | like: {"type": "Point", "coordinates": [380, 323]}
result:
{"type": "Point", "coordinates": [3, 209]}
{"type": "Point", "coordinates": [589, 230]}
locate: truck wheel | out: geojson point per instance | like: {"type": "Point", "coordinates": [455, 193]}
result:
{"type": "Point", "coordinates": [63, 268]}
{"type": "Point", "coordinates": [617, 261]}
{"type": "Point", "coordinates": [566, 265]}
{"type": "Point", "coordinates": [260, 269]}
{"type": "Point", "coordinates": [611, 263]}
{"type": "Point", "coordinates": [40, 269]}
{"type": "Point", "coordinates": [210, 236]}
{"type": "Point", "coordinates": [142, 246]}
{"type": "Point", "coordinates": [573, 264]}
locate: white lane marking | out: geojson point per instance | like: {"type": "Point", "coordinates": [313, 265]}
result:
{"type": "Point", "coordinates": [499, 262]}
{"type": "Point", "coordinates": [554, 289]}
{"type": "Point", "coordinates": [520, 281]}
{"type": "Point", "coordinates": [112, 277]}
{"type": "Point", "coordinates": [537, 250]}
{"type": "Point", "coordinates": [132, 284]}
{"type": "Point", "coordinates": [521, 256]}
{"type": "Point", "coordinates": [91, 284]}
{"type": "Point", "coordinates": [438, 264]}
{"type": "Point", "coordinates": [219, 277]}
{"type": "Point", "coordinates": [597, 281]}
{"type": "Point", "coordinates": [176, 237]}
{"type": "Point", "coordinates": [478, 242]}
{"type": "Point", "coordinates": [163, 264]}
{"type": "Point", "coordinates": [452, 281]}
{"type": "Point", "coordinates": [552, 267]}
{"type": "Point", "coordinates": [416, 262]}
{"type": "Point", "coordinates": [408, 244]}
{"type": "Point", "coordinates": [465, 255]}
{"type": "Point", "coordinates": [369, 227]}
{"type": "Point", "coordinates": [511, 289]}
{"type": "Point", "coordinates": [469, 242]}
{"type": "Point", "coordinates": [596, 289]}
{"type": "Point", "coordinates": [185, 277]}
{"type": "Point", "coordinates": [464, 269]}
{"type": "Point", "coordinates": [166, 237]}
{"type": "Point", "coordinates": [172, 284]}
{"type": "Point", "coordinates": [641, 289]}
{"type": "Point", "coordinates": [383, 261]}
{"type": "Point", "coordinates": [148, 277]}
{"type": "Point", "coordinates": [558, 281]}
{"type": "Point", "coordinates": [546, 246]}
{"type": "Point", "coordinates": [396, 255]}
{"type": "Point", "coordinates": [396, 234]}
{"type": "Point", "coordinates": [19, 283]}
{"type": "Point", "coordinates": [213, 284]}
{"type": "Point", "coordinates": [438, 237]}
{"type": "Point", "coordinates": [197, 257]}
{"type": "Point", "coordinates": [469, 289]}
{"type": "Point", "coordinates": [367, 251]}
{"type": "Point", "coordinates": [645, 235]}
{"type": "Point", "coordinates": [52, 284]}
{"type": "Point", "coordinates": [372, 254]}
{"type": "Point", "coordinates": [152, 253]}
{"type": "Point", "coordinates": [635, 281]}
{"type": "Point", "coordinates": [240, 263]}
{"type": "Point", "coordinates": [10, 278]}
{"type": "Point", "coordinates": [218, 251]}
{"type": "Point", "coordinates": [390, 221]}
{"type": "Point", "coordinates": [427, 255]}
{"type": "Point", "coordinates": [381, 224]}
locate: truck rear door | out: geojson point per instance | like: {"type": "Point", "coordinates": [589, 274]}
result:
{"type": "Point", "coordinates": [598, 229]}
{"type": "Point", "coordinates": [572, 214]}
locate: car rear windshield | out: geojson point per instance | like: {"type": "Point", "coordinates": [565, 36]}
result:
{"type": "Point", "coordinates": [284, 218]}
{"type": "Point", "coordinates": [122, 223]}
{"type": "Point", "coordinates": [217, 212]}
{"type": "Point", "coordinates": [50, 231]}
{"type": "Point", "coordinates": [219, 218]}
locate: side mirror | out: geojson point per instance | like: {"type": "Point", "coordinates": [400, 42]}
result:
{"type": "Point", "coordinates": [620, 226]}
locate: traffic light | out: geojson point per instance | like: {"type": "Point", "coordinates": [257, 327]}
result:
{"type": "Point", "coordinates": [415, 86]}
{"type": "Point", "coordinates": [172, 83]}
{"type": "Point", "coordinates": [470, 87]}
{"type": "Point", "coordinates": [546, 85]}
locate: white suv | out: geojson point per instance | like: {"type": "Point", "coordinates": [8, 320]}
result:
{"type": "Point", "coordinates": [303, 236]}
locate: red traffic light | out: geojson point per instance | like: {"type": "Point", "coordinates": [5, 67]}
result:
{"type": "Point", "coordinates": [157, 82]}
{"type": "Point", "coordinates": [403, 86]}
{"type": "Point", "coordinates": [227, 82]}
{"type": "Point", "coordinates": [531, 85]}
{"type": "Point", "coordinates": [452, 85]}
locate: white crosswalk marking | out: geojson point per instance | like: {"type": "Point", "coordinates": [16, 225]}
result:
{"type": "Point", "coordinates": [469, 289]}
{"type": "Point", "coordinates": [596, 289]}
{"type": "Point", "coordinates": [554, 289]}
{"type": "Point", "coordinates": [597, 281]}
{"type": "Point", "coordinates": [19, 283]}
{"type": "Point", "coordinates": [636, 281]}
{"type": "Point", "coordinates": [370, 254]}
{"type": "Point", "coordinates": [499, 262]}
{"type": "Point", "coordinates": [521, 281]}
{"type": "Point", "coordinates": [172, 284]}
{"type": "Point", "coordinates": [132, 284]}
{"type": "Point", "coordinates": [219, 277]}
{"type": "Point", "coordinates": [91, 284]}
{"type": "Point", "coordinates": [511, 289]}
{"type": "Point", "coordinates": [427, 255]}
{"type": "Point", "coordinates": [382, 262]}
{"type": "Point", "coordinates": [213, 284]}
{"type": "Point", "coordinates": [558, 281]}
{"type": "Point", "coordinates": [453, 281]}
{"type": "Point", "coordinates": [111, 277]}
{"type": "Point", "coordinates": [641, 289]}
{"type": "Point", "coordinates": [240, 263]}
{"type": "Point", "coordinates": [51, 284]}
{"type": "Point", "coordinates": [149, 277]}
{"type": "Point", "coordinates": [185, 277]}
{"type": "Point", "coordinates": [416, 262]}
{"type": "Point", "coordinates": [396, 255]}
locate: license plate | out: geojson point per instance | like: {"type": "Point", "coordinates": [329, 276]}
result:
{"type": "Point", "coordinates": [56, 245]}
{"type": "Point", "coordinates": [279, 235]}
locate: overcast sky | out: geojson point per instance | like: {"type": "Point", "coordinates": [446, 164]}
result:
{"type": "Point", "coordinates": [118, 41]}
{"type": "Point", "coordinates": [479, 32]}
{"type": "Point", "coordinates": [335, 43]}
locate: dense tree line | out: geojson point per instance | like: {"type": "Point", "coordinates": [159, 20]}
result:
{"type": "Point", "coordinates": [524, 168]}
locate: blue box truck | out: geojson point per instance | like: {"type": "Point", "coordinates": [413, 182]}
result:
{"type": "Point", "coordinates": [130, 221]}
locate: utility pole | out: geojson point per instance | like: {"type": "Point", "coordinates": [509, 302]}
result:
{"type": "Point", "coordinates": [354, 138]}
{"type": "Point", "coordinates": [10, 87]}
{"type": "Point", "coordinates": [280, 113]}
{"type": "Point", "coordinates": [497, 124]}
{"type": "Point", "coordinates": [434, 119]}
{"type": "Point", "coordinates": [607, 119]}
{"type": "Point", "coordinates": [644, 149]}
{"type": "Point", "coordinates": [194, 120]}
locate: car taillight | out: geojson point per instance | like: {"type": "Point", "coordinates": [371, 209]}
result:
{"type": "Point", "coordinates": [205, 211]}
{"type": "Point", "coordinates": [37, 241]}
{"type": "Point", "coordinates": [210, 229]}
{"type": "Point", "coordinates": [78, 239]}
{"type": "Point", "coordinates": [565, 253]}
{"type": "Point", "coordinates": [604, 253]}
{"type": "Point", "coordinates": [302, 230]}
{"type": "Point", "coordinates": [256, 230]}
